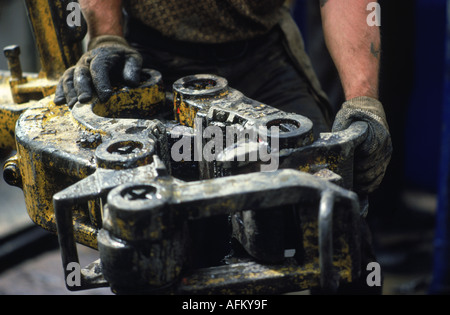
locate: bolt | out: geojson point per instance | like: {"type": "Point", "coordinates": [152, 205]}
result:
{"type": "Point", "coordinates": [125, 147]}
{"type": "Point", "coordinates": [284, 125]}
{"type": "Point", "coordinates": [12, 54]}
{"type": "Point", "coordinates": [139, 193]}
{"type": "Point", "coordinates": [11, 173]}
{"type": "Point", "coordinates": [128, 149]}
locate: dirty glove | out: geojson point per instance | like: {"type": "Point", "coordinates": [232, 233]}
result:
{"type": "Point", "coordinates": [374, 154]}
{"type": "Point", "coordinates": [109, 58]}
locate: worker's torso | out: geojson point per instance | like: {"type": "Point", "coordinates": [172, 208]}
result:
{"type": "Point", "coordinates": [207, 21]}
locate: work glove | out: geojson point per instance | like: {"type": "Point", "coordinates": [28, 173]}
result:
{"type": "Point", "coordinates": [108, 61]}
{"type": "Point", "coordinates": [374, 154]}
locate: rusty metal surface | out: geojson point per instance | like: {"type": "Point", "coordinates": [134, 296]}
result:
{"type": "Point", "coordinates": [90, 155]}
{"type": "Point", "coordinates": [70, 163]}
{"type": "Point", "coordinates": [58, 44]}
{"type": "Point", "coordinates": [112, 176]}
{"type": "Point", "coordinates": [59, 47]}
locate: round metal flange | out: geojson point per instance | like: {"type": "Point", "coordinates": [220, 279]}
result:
{"type": "Point", "coordinates": [126, 106]}
{"type": "Point", "coordinates": [292, 131]}
{"type": "Point", "coordinates": [138, 206]}
{"type": "Point", "coordinates": [124, 152]}
{"type": "Point", "coordinates": [200, 85]}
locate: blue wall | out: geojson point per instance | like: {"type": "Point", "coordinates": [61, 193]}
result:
{"type": "Point", "coordinates": [423, 124]}
{"type": "Point", "coordinates": [441, 267]}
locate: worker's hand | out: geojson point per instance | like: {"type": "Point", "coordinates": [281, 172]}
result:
{"type": "Point", "coordinates": [374, 154]}
{"type": "Point", "coordinates": [108, 58]}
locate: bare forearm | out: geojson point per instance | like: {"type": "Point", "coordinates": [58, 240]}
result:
{"type": "Point", "coordinates": [104, 17]}
{"type": "Point", "coordinates": [353, 45]}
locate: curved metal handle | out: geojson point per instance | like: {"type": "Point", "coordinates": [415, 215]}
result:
{"type": "Point", "coordinates": [90, 276]}
{"type": "Point", "coordinates": [329, 277]}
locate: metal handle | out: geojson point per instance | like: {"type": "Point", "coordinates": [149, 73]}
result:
{"type": "Point", "coordinates": [329, 277]}
{"type": "Point", "coordinates": [91, 276]}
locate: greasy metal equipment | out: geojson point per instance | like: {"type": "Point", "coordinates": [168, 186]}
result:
{"type": "Point", "coordinates": [106, 175]}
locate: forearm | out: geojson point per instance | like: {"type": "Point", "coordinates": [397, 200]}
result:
{"type": "Point", "coordinates": [353, 45]}
{"type": "Point", "coordinates": [103, 17]}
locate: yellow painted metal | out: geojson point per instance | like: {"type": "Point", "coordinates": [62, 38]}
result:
{"type": "Point", "coordinates": [9, 113]}
{"type": "Point", "coordinates": [27, 103]}
{"type": "Point", "coordinates": [46, 130]}
{"type": "Point", "coordinates": [57, 53]}
{"type": "Point", "coordinates": [185, 112]}
{"type": "Point", "coordinates": [126, 101]}
{"type": "Point", "coordinates": [50, 126]}
{"type": "Point", "coordinates": [33, 93]}
{"type": "Point", "coordinates": [18, 92]}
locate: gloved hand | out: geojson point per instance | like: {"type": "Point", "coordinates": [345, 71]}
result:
{"type": "Point", "coordinates": [108, 58]}
{"type": "Point", "coordinates": [374, 154]}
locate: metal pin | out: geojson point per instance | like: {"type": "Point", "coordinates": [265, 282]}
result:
{"type": "Point", "coordinates": [12, 54]}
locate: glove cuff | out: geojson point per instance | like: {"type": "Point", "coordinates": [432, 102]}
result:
{"type": "Point", "coordinates": [367, 106]}
{"type": "Point", "coordinates": [102, 39]}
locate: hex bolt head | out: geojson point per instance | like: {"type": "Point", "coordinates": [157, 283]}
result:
{"type": "Point", "coordinates": [139, 193]}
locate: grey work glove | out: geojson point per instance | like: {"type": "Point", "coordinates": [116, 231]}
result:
{"type": "Point", "coordinates": [109, 60]}
{"type": "Point", "coordinates": [374, 154]}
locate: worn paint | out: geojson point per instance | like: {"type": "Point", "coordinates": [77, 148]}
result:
{"type": "Point", "coordinates": [50, 159]}
{"type": "Point", "coordinates": [146, 100]}
{"type": "Point", "coordinates": [55, 51]}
